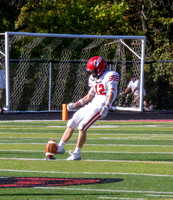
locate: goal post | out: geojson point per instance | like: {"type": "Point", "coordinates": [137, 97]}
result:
{"type": "Point", "coordinates": [44, 71]}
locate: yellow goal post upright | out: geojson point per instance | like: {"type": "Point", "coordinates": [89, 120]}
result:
{"type": "Point", "coordinates": [44, 71]}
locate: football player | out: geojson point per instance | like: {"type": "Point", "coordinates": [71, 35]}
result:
{"type": "Point", "coordinates": [95, 105]}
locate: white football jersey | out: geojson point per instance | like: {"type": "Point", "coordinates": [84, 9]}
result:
{"type": "Point", "coordinates": [101, 86]}
{"type": "Point", "coordinates": [135, 84]}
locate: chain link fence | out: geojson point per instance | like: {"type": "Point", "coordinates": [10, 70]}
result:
{"type": "Point", "coordinates": [48, 71]}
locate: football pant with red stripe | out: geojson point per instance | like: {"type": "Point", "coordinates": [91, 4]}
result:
{"type": "Point", "coordinates": [85, 117]}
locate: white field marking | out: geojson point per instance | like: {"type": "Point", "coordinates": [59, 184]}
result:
{"type": "Point", "coordinates": [26, 159]}
{"type": "Point", "coordinates": [117, 126]}
{"type": "Point", "coordinates": [123, 145]}
{"type": "Point", "coordinates": [120, 198]}
{"type": "Point", "coordinates": [38, 133]}
{"type": "Point", "coordinates": [22, 151]}
{"type": "Point", "coordinates": [104, 138]}
{"type": "Point", "coordinates": [23, 138]}
{"type": "Point", "coordinates": [137, 145]}
{"type": "Point", "coordinates": [101, 134]}
{"type": "Point", "coordinates": [27, 120]}
{"type": "Point", "coordinates": [102, 190]}
{"type": "Point", "coordinates": [75, 133]}
{"type": "Point", "coordinates": [154, 195]}
{"type": "Point", "coordinates": [88, 160]}
{"type": "Point", "coordinates": [127, 152]}
{"type": "Point", "coordinates": [106, 173]}
{"type": "Point", "coordinates": [116, 152]}
{"type": "Point", "coordinates": [125, 121]}
{"type": "Point", "coordinates": [131, 161]}
{"type": "Point", "coordinates": [130, 138]}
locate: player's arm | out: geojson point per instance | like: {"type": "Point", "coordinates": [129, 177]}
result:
{"type": "Point", "coordinates": [110, 98]}
{"type": "Point", "coordinates": [86, 99]}
{"type": "Point", "coordinates": [82, 101]}
{"type": "Point", "coordinates": [112, 93]}
{"type": "Point", "coordinates": [112, 88]}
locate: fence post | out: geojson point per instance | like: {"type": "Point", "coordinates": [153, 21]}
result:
{"type": "Point", "coordinates": [7, 68]}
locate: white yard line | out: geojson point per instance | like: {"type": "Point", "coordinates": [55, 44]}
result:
{"type": "Point", "coordinates": [90, 133]}
{"type": "Point", "coordinates": [116, 152]}
{"type": "Point", "coordinates": [119, 126]}
{"type": "Point", "coordinates": [88, 160]}
{"type": "Point", "coordinates": [98, 173]}
{"type": "Point", "coordinates": [40, 159]}
{"type": "Point", "coordinates": [102, 190]}
{"type": "Point", "coordinates": [154, 195]}
{"type": "Point", "coordinates": [127, 152]}
{"type": "Point", "coordinates": [126, 145]}
{"type": "Point", "coordinates": [35, 133]}
{"type": "Point", "coordinates": [21, 151]}
{"type": "Point", "coordinates": [121, 198]}
{"type": "Point", "coordinates": [102, 138]}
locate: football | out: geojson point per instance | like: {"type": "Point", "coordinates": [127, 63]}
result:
{"type": "Point", "coordinates": [51, 148]}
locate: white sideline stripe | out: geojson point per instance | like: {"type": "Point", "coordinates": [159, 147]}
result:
{"type": "Point", "coordinates": [132, 161]}
{"type": "Point", "coordinates": [22, 151]}
{"type": "Point", "coordinates": [113, 133]}
{"type": "Point", "coordinates": [107, 173]}
{"type": "Point", "coordinates": [36, 133]}
{"type": "Point", "coordinates": [127, 152]}
{"type": "Point", "coordinates": [103, 138]}
{"type": "Point", "coordinates": [28, 120]}
{"type": "Point", "coordinates": [116, 152]}
{"type": "Point", "coordinates": [131, 138]}
{"type": "Point", "coordinates": [154, 195]}
{"type": "Point", "coordinates": [25, 159]}
{"type": "Point", "coordinates": [102, 190]}
{"type": "Point", "coordinates": [88, 160]}
{"type": "Point", "coordinates": [120, 198]}
{"type": "Point", "coordinates": [125, 145]}
{"type": "Point", "coordinates": [118, 126]}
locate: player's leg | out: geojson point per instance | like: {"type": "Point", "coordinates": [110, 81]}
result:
{"type": "Point", "coordinates": [71, 125]}
{"type": "Point", "coordinates": [80, 142]}
{"type": "Point", "coordinates": [66, 136]}
{"type": "Point", "coordinates": [81, 138]}
{"type": "Point", "coordinates": [90, 118]}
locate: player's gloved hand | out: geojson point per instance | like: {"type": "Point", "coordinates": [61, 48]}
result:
{"type": "Point", "coordinates": [71, 106]}
{"type": "Point", "coordinates": [104, 111]}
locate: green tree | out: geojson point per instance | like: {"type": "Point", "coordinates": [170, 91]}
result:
{"type": "Point", "coordinates": [74, 16]}
{"type": "Point", "coordinates": [154, 20]}
{"type": "Point", "coordinates": [9, 11]}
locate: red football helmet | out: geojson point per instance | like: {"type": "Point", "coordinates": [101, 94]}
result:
{"type": "Point", "coordinates": [97, 64]}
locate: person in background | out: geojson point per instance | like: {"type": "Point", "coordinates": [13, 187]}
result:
{"type": "Point", "coordinates": [133, 89]}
